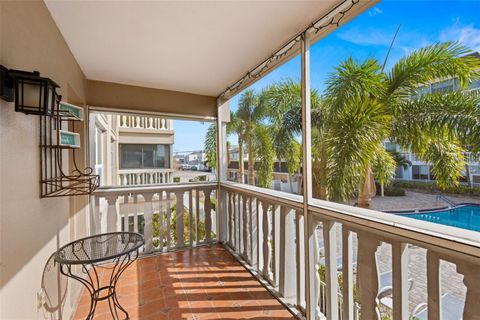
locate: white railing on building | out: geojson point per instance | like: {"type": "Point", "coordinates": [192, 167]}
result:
{"type": "Point", "coordinates": [144, 122]}
{"type": "Point", "coordinates": [266, 229]}
{"type": "Point", "coordinates": [137, 177]}
{"type": "Point", "coordinates": [169, 216]}
{"type": "Point", "coordinates": [474, 93]}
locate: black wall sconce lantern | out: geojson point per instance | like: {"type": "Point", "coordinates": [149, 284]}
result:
{"type": "Point", "coordinates": [32, 93]}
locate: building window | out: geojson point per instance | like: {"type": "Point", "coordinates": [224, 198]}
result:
{"type": "Point", "coordinates": [144, 156]}
{"type": "Point", "coordinates": [420, 172]}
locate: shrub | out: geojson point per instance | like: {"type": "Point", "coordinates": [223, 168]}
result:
{"type": "Point", "coordinates": [390, 190]}
{"type": "Point", "coordinates": [433, 187]}
{"type": "Point", "coordinates": [176, 179]}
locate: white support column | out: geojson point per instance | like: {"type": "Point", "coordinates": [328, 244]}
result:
{"type": "Point", "coordinates": [307, 174]}
{"type": "Point", "coordinates": [400, 280]}
{"type": "Point", "coordinates": [330, 243]}
{"type": "Point", "coordinates": [347, 270]}
{"type": "Point", "coordinates": [433, 286]}
{"type": "Point", "coordinates": [287, 283]}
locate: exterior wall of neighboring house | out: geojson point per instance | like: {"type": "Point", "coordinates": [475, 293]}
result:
{"type": "Point", "coordinates": [31, 228]}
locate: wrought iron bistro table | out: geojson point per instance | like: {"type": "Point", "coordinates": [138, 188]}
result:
{"type": "Point", "coordinates": [113, 251]}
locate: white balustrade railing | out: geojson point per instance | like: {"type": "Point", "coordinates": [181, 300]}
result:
{"type": "Point", "coordinates": [474, 93]}
{"type": "Point", "coordinates": [136, 177]}
{"type": "Point", "coordinates": [144, 122]}
{"type": "Point", "coordinates": [169, 216]}
{"type": "Point", "coordinates": [265, 228]}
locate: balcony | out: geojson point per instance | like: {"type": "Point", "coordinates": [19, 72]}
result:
{"type": "Point", "coordinates": [265, 232]}
{"type": "Point", "coordinates": [131, 177]}
{"type": "Point", "coordinates": [134, 122]}
{"type": "Point", "coordinates": [212, 250]}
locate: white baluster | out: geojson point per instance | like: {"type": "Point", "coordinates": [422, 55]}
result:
{"type": "Point", "coordinates": [254, 232]}
{"type": "Point", "coordinates": [275, 243]}
{"type": "Point", "coordinates": [208, 216]}
{"type": "Point", "coordinates": [347, 274]}
{"type": "Point", "coordinates": [266, 242]}
{"type": "Point", "coordinates": [260, 210]}
{"type": "Point", "coordinates": [169, 220]}
{"type": "Point", "coordinates": [245, 223]}
{"type": "Point", "coordinates": [230, 218]}
{"type": "Point", "coordinates": [124, 213]}
{"type": "Point", "coordinates": [112, 214]}
{"type": "Point", "coordinates": [96, 217]}
{"type": "Point", "coordinates": [314, 264]}
{"type": "Point", "coordinates": [197, 216]}
{"type": "Point", "coordinates": [400, 280]}
{"type": "Point", "coordinates": [471, 279]}
{"type": "Point", "coordinates": [135, 213]}
{"type": "Point", "coordinates": [163, 124]}
{"type": "Point", "coordinates": [367, 275]}
{"type": "Point", "coordinates": [330, 243]}
{"type": "Point", "coordinates": [148, 227]}
{"type": "Point", "coordinates": [190, 217]}
{"type": "Point", "coordinates": [287, 283]}
{"type": "Point", "coordinates": [433, 286]}
{"type": "Point", "coordinates": [179, 226]}
{"type": "Point", "coordinates": [300, 257]}
{"type": "Point", "coordinates": [161, 226]}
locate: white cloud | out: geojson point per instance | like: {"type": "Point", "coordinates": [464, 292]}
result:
{"type": "Point", "coordinates": [467, 35]}
{"type": "Point", "coordinates": [366, 36]}
{"type": "Point", "coordinates": [374, 11]}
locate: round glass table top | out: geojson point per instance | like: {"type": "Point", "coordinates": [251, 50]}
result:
{"type": "Point", "coordinates": [97, 248]}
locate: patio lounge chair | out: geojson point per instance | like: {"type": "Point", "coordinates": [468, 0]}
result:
{"type": "Point", "coordinates": [452, 309]}
{"type": "Point", "coordinates": [386, 291]}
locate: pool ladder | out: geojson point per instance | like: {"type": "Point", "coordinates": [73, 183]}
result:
{"type": "Point", "coordinates": [450, 203]}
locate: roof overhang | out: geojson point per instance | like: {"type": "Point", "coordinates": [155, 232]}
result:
{"type": "Point", "coordinates": [199, 47]}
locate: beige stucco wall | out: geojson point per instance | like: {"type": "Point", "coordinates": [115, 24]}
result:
{"type": "Point", "coordinates": [133, 98]}
{"type": "Point", "coordinates": [31, 229]}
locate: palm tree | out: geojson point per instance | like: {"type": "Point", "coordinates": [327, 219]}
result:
{"type": "Point", "coordinates": [250, 115]}
{"type": "Point", "coordinates": [210, 146]}
{"type": "Point", "coordinates": [237, 126]}
{"type": "Point", "coordinates": [367, 106]}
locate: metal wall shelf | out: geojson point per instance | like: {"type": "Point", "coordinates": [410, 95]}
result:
{"type": "Point", "coordinates": [55, 181]}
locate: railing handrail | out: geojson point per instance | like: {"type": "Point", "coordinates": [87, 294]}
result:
{"type": "Point", "coordinates": [291, 200]}
{"type": "Point", "coordinates": [464, 242]}
{"type": "Point", "coordinates": [105, 191]}
{"type": "Point", "coordinates": [145, 170]}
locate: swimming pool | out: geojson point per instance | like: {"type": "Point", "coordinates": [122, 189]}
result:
{"type": "Point", "coordinates": [462, 216]}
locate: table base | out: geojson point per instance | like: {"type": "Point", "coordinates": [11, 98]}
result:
{"type": "Point", "coordinates": [91, 281]}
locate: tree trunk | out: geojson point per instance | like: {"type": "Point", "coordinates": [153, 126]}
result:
{"type": "Point", "coordinates": [366, 190]}
{"type": "Point", "coordinates": [467, 173]}
{"type": "Point", "coordinates": [240, 160]}
{"type": "Point", "coordinates": [251, 163]}
{"type": "Point", "coordinates": [382, 190]}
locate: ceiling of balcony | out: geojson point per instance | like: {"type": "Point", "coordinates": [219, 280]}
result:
{"type": "Point", "coordinates": [191, 46]}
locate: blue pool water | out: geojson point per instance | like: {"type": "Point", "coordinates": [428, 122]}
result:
{"type": "Point", "coordinates": [464, 216]}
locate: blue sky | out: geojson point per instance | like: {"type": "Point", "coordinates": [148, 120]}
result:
{"type": "Point", "coordinates": [367, 36]}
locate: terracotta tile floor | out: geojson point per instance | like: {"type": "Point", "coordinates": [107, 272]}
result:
{"type": "Point", "coordinates": [200, 283]}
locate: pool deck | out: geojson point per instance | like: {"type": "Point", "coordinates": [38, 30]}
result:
{"type": "Point", "coordinates": [418, 201]}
